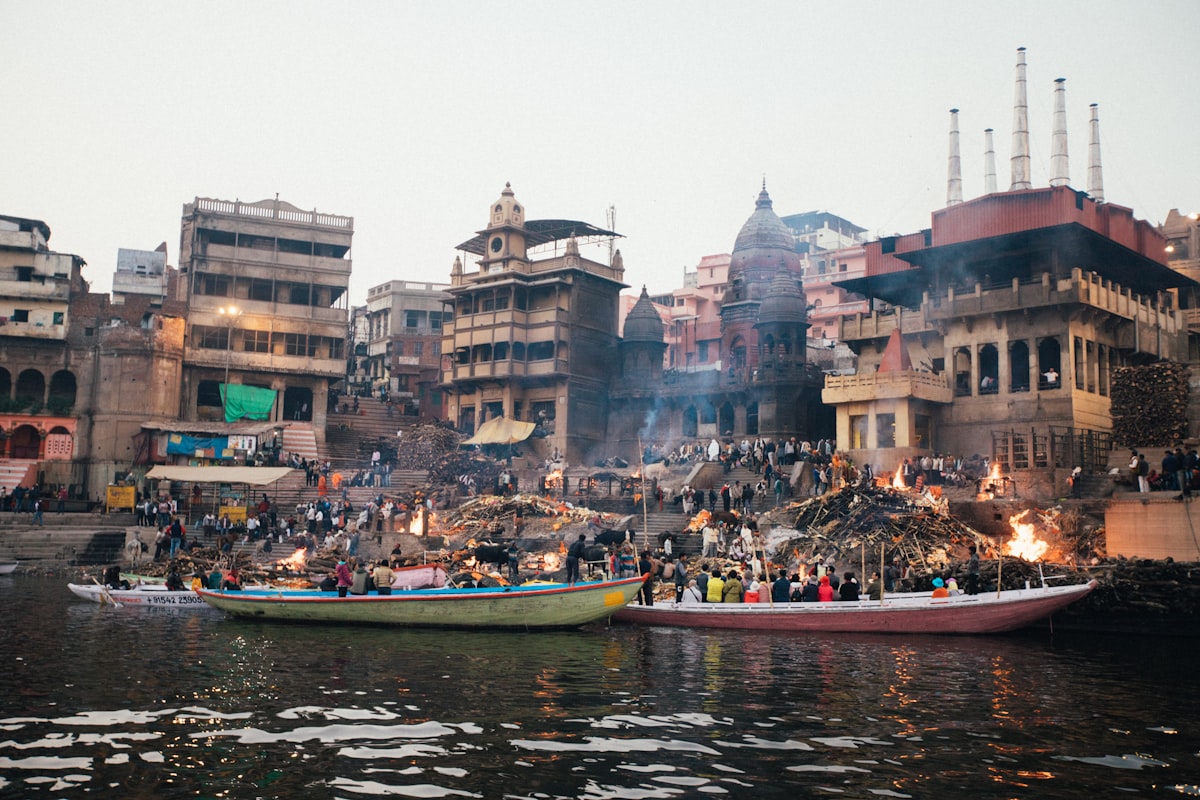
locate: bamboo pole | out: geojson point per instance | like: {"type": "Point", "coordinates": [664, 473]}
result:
{"type": "Point", "coordinates": [645, 510]}
{"type": "Point", "coordinates": [999, 571]}
{"type": "Point", "coordinates": [882, 567]}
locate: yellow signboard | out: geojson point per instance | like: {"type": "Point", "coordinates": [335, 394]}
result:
{"type": "Point", "coordinates": [235, 513]}
{"type": "Point", "coordinates": [120, 497]}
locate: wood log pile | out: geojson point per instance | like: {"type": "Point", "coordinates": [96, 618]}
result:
{"type": "Point", "coordinates": [424, 445]}
{"type": "Point", "coordinates": [487, 513]}
{"type": "Point", "coordinates": [840, 525]}
{"type": "Point", "coordinates": [451, 467]}
{"type": "Point", "coordinates": [1149, 404]}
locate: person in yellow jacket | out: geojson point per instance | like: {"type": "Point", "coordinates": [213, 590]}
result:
{"type": "Point", "coordinates": [716, 587]}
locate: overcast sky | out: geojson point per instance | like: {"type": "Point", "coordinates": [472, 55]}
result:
{"type": "Point", "coordinates": [411, 116]}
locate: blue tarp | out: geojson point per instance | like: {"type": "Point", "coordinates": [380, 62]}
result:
{"type": "Point", "coordinates": [214, 447]}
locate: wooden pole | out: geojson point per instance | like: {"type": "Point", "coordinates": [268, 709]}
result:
{"type": "Point", "coordinates": [999, 570]}
{"type": "Point", "coordinates": [645, 511]}
{"type": "Point", "coordinates": [882, 567]}
{"type": "Point", "coordinates": [862, 575]}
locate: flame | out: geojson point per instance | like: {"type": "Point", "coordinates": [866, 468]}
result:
{"type": "Point", "coordinates": [700, 520]}
{"type": "Point", "coordinates": [295, 562]}
{"type": "Point", "coordinates": [897, 479]}
{"type": "Point", "coordinates": [422, 522]}
{"type": "Point", "coordinates": [994, 475]}
{"type": "Point", "coordinates": [1025, 543]}
{"type": "Point", "coordinates": [551, 561]}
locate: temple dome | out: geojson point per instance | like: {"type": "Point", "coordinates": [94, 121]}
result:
{"type": "Point", "coordinates": [764, 246]}
{"type": "Point", "coordinates": [784, 302]}
{"type": "Point", "coordinates": [643, 324]}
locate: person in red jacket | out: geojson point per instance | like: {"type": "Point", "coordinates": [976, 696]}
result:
{"type": "Point", "coordinates": [824, 590]}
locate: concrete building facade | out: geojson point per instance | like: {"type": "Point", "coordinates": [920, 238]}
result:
{"type": "Point", "coordinates": [404, 322]}
{"type": "Point", "coordinates": [266, 289]}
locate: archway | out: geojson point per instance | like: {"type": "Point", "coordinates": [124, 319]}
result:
{"type": "Point", "coordinates": [962, 372]}
{"type": "Point", "coordinates": [25, 442]}
{"type": "Point", "coordinates": [31, 388]}
{"type": "Point", "coordinates": [1018, 362]}
{"type": "Point", "coordinates": [725, 421]}
{"type": "Point", "coordinates": [62, 392]}
{"type": "Point", "coordinates": [752, 419]}
{"type": "Point", "coordinates": [1049, 364]}
{"type": "Point", "coordinates": [989, 369]}
{"type": "Point", "coordinates": [690, 421]}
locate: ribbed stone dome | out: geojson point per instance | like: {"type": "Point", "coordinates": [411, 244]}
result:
{"type": "Point", "coordinates": [643, 324]}
{"type": "Point", "coordinates": [764, 246]}
{"type": "Point", "coordinates": [784, 302]}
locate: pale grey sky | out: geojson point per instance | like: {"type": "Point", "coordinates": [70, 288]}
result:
{"type": "Point", "coordinates": [411, 116]}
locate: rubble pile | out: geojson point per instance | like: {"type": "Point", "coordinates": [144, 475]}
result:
{"type": "Point", "coordinates": [424, 445]}
{"type": "Point", "coordinates": [465, 468]}
{"type": "Point", "coordinates": [857, 521]}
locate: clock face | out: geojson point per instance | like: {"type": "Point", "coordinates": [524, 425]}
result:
{"type": "Point", "coordinates": [497, 243]}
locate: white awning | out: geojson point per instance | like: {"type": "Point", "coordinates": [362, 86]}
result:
{"type": "Point", "coordinates": [253, 476]}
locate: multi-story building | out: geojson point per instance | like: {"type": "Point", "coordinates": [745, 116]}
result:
{"type": "Point", "coordinates": [404, 342]}
{"type": "Point", "coordinates": [266, 287]}
{"type": "Point", "coordinates": [533, 338]}
{"type": "Point", "coordinates": [142, 272]}
{"type": "Point", "coordinates": [693, 334]}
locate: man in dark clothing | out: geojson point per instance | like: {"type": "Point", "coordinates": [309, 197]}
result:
{"type": "Point", "coordinates": [973, 571]}
{"type": "Point", "coordinates": [781, 589]}
{"type": "Point", "coordinates": [574, 553]}
{"type": "Point", "coordinates": [681, 577]}
{"type": "Point", "coordinates": [646, 569]}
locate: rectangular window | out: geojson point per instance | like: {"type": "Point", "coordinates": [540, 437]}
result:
{"type": "Point", "coordinates": [885, 430]}
{"type": "Point", "coordinates": [58, 318]}
{"type": "Point", "coordinates": [296, 344]}
{"type": "Point", "coordinates": [435, 321]}
{"type": "Point", "coordinates": [437, 348]}
{"type": "Point", "coordinates": [20, 315]}
{"type": "Point", "coordinates": [858, 431]}
{"type": "Point", "coordinates": [702, 352]}
{"type": "Point", "coordinates": [213, 285]}
{"type": "Point", "coordinates": [210, 338]}
{"type": "Point", "coordinates": [256, 341]}
{"type": "Point", "coordinates": [261, 290]}
{"type": "Point", "coordinates": [399, 348]}
{"type": "Point", "coordinates": [418, 349]}
{"type": "Point", "coordinates": [412, 319]}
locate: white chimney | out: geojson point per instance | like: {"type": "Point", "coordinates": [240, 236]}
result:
{"type": "Point", "coordinates": [1095, 178]}
{"type": "Point", "coordinates": [1060, 168]}
{"type": "Point", "coordinates": [989, 162]}
{"type": "Point", "coordinates": [1020, 140]}
{"type": "Point", "coordinates": [954, 194]}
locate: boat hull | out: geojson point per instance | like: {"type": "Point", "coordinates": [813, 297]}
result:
{"type": "Point", "coordinates": [911, 614]}
{"type": "Point", "coordinates": [549, 605]}
{"type": "Point", "coordinates": [8, 567]}
{"type": "Point", "coordinates": [153, 595]}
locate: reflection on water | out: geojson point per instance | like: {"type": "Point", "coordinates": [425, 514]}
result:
{"type": "Point", "coordinates": [164, 703]}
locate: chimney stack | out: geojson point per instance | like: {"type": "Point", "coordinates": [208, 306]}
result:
{"type": "Point", "coordinates": [1020, 140]}
{"type": "Point", "coordinates": [1060, 169]}
{"type": "Point", "coordinates": [954, 194]}
{"type": "Point", "coordinates": [989, 162]}
{"type": "Point", "coordinates": [1095, 178]}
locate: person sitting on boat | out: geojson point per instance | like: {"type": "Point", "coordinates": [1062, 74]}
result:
{"type": "Point", "coordinates": [233, 581]}
{"type": "Point", "coordinates": [691, 593]}
{"type": "Point", "coordinates": [849, 588]}
{"type": "Point", "coordinates": [875, 587]}
{"type": "Point", "coordinates": [383, 577]}
{"type": "Point", "coordinates": [215, 578]}
{"type": "Point", "coordinates": [733, 590]}
{"type": "Point", "coordinates": [174, 581]}
{"type": "Point", "coordinates": [198, 579]}
{"type": "Point", "coordinates": [939, 588]}
{"type": "Point", "coordinates": [824, 590]}
{"type": "Point", "coordinates": [328, 583]}
{"type": "Point", "coordinates": [952, 587]}
{"type": "Point", "coordinates": [113, 580]}
{"type": "Point", "coordinates": [344, 578]}
{"type": "Point", "coordinates": [811, 592]}
{"type": "Point", "coordinates": [716, 586]}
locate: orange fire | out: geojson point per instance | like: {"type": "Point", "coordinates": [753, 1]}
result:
{"type": "Point", "coordinates": [897, 480]}
{"type": "Point", "coordinates": [295, 562]}
{"type": "Point", "coordinates": [422, 522]}
{"type": "Point", "coordinates": [1025, 543]}
{"type": "Point", "coordinates": [551, 562]}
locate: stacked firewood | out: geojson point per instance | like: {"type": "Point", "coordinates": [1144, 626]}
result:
{"type": "Point", "coordinates": [489, 512]}
{"type": "Point", "coordinates": [423, 445]}
{"type": "Point", "coordinates": [1149, 404]}
{"type": "Point", "coordinates": [854, 523]}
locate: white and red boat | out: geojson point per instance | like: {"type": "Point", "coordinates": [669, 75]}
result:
{"type": "Point", "coordinates": [155, 595]}
{"type": "Point", "coordinates": [995, 612]}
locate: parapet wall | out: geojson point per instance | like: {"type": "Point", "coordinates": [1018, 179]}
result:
{"type": "Point", "coordinates": [1157, 527]}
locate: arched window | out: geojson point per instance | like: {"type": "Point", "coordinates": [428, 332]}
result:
{"type": "Point", "coordinates": [62, 392]}
{"type": "Point", "coordinates": [31, 388]}
{"type": "Point", "coordinates": [989, 369]}
{"type": "Point", "coordinates": [1018, 362]}
{"type": "Point", "coordinates": [962, 372]}
{"type": "Point", "coordinates": [1049, 364]}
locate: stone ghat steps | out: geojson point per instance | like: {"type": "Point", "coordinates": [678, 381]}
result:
{"type": "Point", "coordinates": [55, 546]}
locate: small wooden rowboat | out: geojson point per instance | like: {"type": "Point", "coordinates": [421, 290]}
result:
{"type": "Point", "coordinates": [144, 595]}
{"type": "Point", "coordinates": [898, 613]}
{"type": "Point", "coordinates": [530, 606]}
{"type": "Point", "coordinates": [8, 567]}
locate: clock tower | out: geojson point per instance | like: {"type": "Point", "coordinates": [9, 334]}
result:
{"type": "Point", "coordinates": [504, 235]}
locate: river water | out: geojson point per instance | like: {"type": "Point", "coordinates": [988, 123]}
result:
{"type": "Point", "coordinates": [159, 703]}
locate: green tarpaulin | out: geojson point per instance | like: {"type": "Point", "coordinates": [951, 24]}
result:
{"type": "Point", "coordinates": [246, 402]}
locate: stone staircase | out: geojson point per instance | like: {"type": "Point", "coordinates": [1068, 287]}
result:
{"type": "Point", "coordinates": [65, 539]}
{"type": "Point", "coordinates": [301, 440]}
{"type": "Point", "coordinates": [16, 472]}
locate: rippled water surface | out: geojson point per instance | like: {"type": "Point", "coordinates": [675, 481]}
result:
{"type": "Point", "coordinates": [141, 703]}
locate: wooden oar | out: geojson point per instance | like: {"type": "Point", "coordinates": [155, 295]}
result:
{"type": "Point", "coordinates": [108, 598]}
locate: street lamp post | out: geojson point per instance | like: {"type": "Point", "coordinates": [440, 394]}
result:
{"type": "Point", "coordinates": [230, 313]}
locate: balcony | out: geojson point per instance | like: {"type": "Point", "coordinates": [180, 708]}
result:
{"type": "Point", "coordinates": [231, 260]}
{"type": "Point", "coordinates": [241, 361]}
{"type": "Point", "coordinates": [907, 384]}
